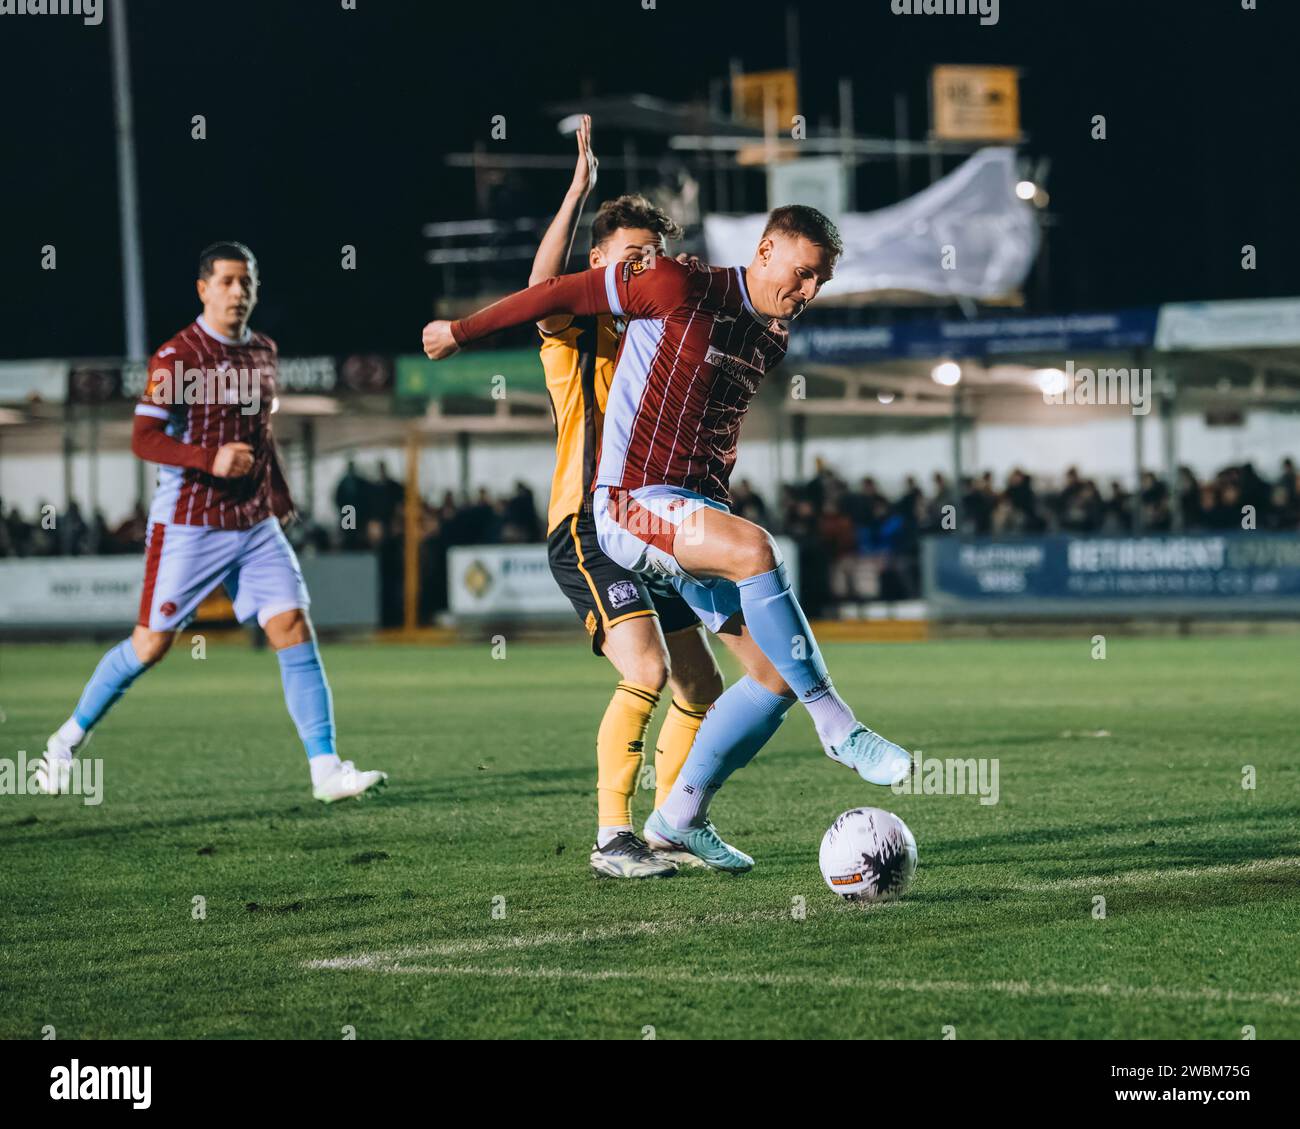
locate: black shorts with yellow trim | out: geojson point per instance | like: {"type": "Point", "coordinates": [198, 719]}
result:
{"type": "Point", "coordinates": [604, 593]}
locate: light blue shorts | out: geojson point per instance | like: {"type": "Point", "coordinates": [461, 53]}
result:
{"type": "Point", "coordinates": [636, 529]}
{"type": "Point", "coordinates": [185, 563]}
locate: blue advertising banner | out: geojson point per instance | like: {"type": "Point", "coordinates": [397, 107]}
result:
{"type": "Point", "coordinates": [1217, 573]}
{"type": "Point", "coordinates": [981, 337]}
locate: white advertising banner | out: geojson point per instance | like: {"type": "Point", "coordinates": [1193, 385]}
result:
{"type": "Point", "coordinates": [503, 579]}
{"type": "Point", "coordinates": [62, 593]}
{"type": "Point", "coordinates": [85, 591]}
{"type": "Point", "coordinates": [966, 235]}
{"type": "Point", "coordinates": [487, 580]}
{"type": "Point", "coordinates": [22, 381]}
{"type": "Point", "coordinates": [1256, 323]}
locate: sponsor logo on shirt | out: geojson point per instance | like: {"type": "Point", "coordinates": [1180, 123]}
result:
{"type": "Point", "coordinates": [745, 373]}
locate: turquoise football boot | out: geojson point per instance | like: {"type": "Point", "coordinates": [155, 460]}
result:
{"type": "Point", "coordinates": [703, 842]}
{"type": "Point", "coordinates": [873, 758]}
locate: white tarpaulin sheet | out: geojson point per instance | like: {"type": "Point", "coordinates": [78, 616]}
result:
{"type": "Point", "coordinates": [970, 220]}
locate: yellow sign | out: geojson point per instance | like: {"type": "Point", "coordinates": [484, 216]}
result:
{"type": "Point", "coordinates": [755, 96]}
{"type": "Point", "coordinates": [976, 103]}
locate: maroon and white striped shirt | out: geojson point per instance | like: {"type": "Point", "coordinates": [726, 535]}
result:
{"type": "Point", "coordinates": [180, 424]}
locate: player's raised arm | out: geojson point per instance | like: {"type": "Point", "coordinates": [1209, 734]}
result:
{"type": "Point", "coordinates": [633, 289]}
{"type": "Point", "coordinates": [557, 244]}
{"type": "Point", "coordinates": [575, 294]}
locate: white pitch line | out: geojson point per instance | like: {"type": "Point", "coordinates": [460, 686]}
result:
{"type": "Point", "coordinates": [1045, 989]}
{"type": "Point", "coordinates": [1140, 877]}
{"type": "Point", "coordinates": [391, 960]}
{"type": "Point", "coordinates": [484, 945]}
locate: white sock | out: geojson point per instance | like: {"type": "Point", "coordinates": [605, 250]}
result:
{"type": "Point", "coordinates": [323, 767]}
{"type": "Point", "coordinates": [71, 734]}
{"type": "Point", "coordinates": [832, 717]}
{"type": "Point", "coordinates": [606, 835]}
{"type": "Point", "coordinates": [686, 806]}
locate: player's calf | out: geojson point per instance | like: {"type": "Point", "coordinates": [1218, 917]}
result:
{"type": "Point", "coordinates": [311, 705]}
{"type": "Point", "coordinates": [116, 672]}
{"type": "Point", "coordinates": [721, 544]}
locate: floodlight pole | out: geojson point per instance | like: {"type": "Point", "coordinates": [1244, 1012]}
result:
{"type": "Point", "coordinates": [127, 198]}
{"type": "Point", "coordinates": [128, 203]}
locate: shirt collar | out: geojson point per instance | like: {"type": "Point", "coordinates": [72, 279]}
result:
{"type": "Point", "coordinates": [770, 323]}
{"type": "Point", "coordinates": [203, 325]}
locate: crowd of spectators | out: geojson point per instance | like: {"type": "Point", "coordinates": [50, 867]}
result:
{"type": "Point", "coordinates": [51, 532]}
{"type": "Point", "coordinates": [856, 543]}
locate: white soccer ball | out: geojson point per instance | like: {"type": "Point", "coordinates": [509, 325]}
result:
{"type": "Point", "coordinates": [868, 855]}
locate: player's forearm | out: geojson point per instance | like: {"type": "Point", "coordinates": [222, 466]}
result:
{"type": "Point", "coordinates": [553, 251]}
{"type": "Point", "coordinates": [150, 442]}
{"type": "Point", "coordinates": [576, 294]}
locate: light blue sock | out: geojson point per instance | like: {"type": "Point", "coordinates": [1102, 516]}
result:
{"type": "Point", "coordinates": [779, 627]}
{"type": "Point", "coordinates": [737, 726]}
{"type": "Point", "coordinates": [307, 695]}
{"type": "Point", "coordinates": [112, 678]}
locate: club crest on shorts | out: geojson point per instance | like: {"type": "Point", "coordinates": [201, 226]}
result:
{"type": "Point", "coordinates": [168, 608]}
{"type": "Point", "coordinates": [621, 593]}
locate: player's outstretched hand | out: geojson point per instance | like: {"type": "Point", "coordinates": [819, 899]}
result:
{"type": "Point", "coordinates": [234, 460]}
{"type": "Point", "coordinates": [584, 175]}
{"type": "Point", "coordinates": [438, 341]}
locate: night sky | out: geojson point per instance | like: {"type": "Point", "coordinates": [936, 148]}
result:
{"type": "Point", "coordinates": [328, 126]}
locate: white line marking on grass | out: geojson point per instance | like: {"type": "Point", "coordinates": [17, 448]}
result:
{"type": "Point", "coordinates": [1141, 877]}
{"type": "Point", "coordinates": [481, 945]}
{"type": "Point", "coordinates": [1045, 989]}
{"type": "Point", "coordinates": [395, 961]}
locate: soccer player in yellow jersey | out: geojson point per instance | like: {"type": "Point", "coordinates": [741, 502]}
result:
{"type": "Point", "coordinates": [652, 638]}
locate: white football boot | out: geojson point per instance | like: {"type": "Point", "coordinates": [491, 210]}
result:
{"type": "Point", "coordinates": [54, 769]}
{"type": "Point", "coordinates": [348, 781]}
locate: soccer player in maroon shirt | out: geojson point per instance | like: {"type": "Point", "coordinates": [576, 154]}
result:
{"type": "Point", "coordinates": [699, 341]}
{"type": "Point", "coordinates": [652, 637]}
{"type": "Point", "coordinates": [205, 419]}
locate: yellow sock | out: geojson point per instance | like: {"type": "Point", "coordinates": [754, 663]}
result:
{"type": "Point", "coordinates": [675, 738]}
{"type": "Point", "coordinates": [620, 751]}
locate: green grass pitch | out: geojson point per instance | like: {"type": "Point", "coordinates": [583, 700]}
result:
{"type": "Point", "coordinates": [460, 903]}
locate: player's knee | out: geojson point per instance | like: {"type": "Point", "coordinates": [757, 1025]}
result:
{"type": "Point", "coordinates": [650, 670]}
{"type": "Point", "coordinates": [150, 646]}
{"type": "Point", "coordinates": [288, 629]}
{"type": "Point", "coordinates": [757, 553]}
